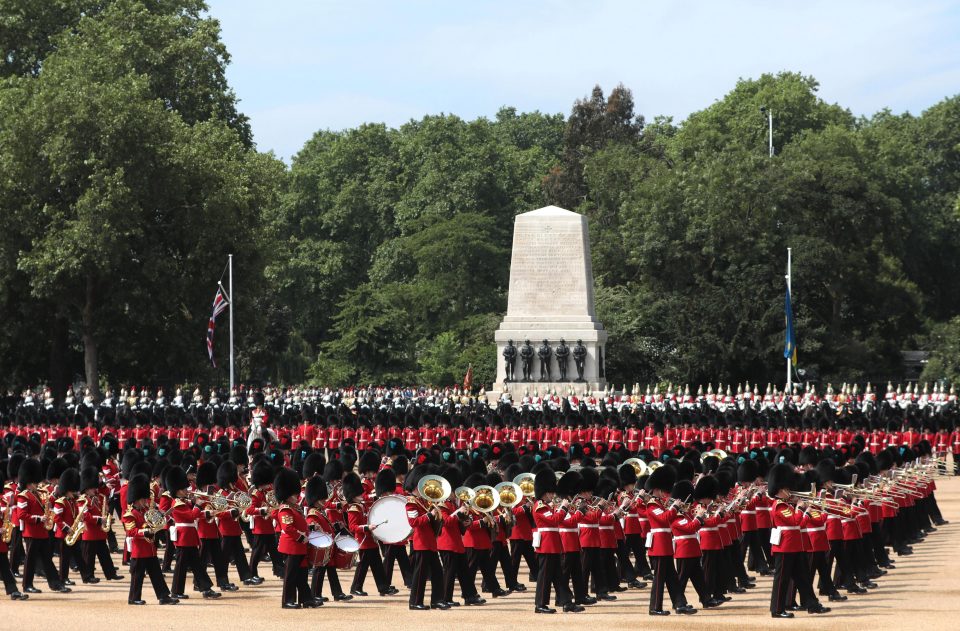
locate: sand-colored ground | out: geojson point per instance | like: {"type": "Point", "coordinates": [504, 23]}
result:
{"type": "Point", "coordinates": [922, 593]}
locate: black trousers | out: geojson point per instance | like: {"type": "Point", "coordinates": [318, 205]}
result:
{"type": "Point", "coordinates": [572, 574]}
{"type": "Point", "coordinates": [17, 552]}
{"type": "Point", "coordinates": [262, 546]}
{"type": "Point", "coordinates": [169, 550]}
{"type": "Point", "coordinates": [316, 588]}
{"type": "Point", "coordinates": [791, 567]}
{"type": "Point", "coordinates": [690, 570]}
{"type": "Point", "coordinates": [523, 549]}
{"type": "Point", "coordinates": [396, 554]}
{"type": "Point", "coordinates": [93, 551]}
{"type": "Point", "coordinates": [455, 569]}
{"type": "Point", "coordinates": [608, 558]}
{"type": "Point", "coordinates": [500, 554]}
{"type": "Point", "coordinates": [295, 587]}
{"type": "Point", "coordinates": [38, 551]}
{"type": "Point", "coordinates": [189, 559]}
{"type": "Point", "coordinates": [426, 564]}
{"type": "Point", "coordinates": [593, 570]}
{"type": "Point", "coordinates": [481, 560]}
{"type": "Point", "coordinates": [713, 572]}
{"type": "Point", "coordinates": [210, 552]}
{"type": "Point", "coordinates": [232, 548]}
{"type": "Point", "coordinates": [68, 554]}
{"type": "Point", "coordinates": [140, 567]}
{"type": "Point", "coordinates": [549, 574]}
{"type": "Point", "coordinates": [626, 571]}
{"type": "Point", "coordinates": [843, 575]}
{"type": "Point", "coordinates": [820, 566]}
{"type": "Point", "coordinates": [665, 575]}
{"type": "Point", "coordinates": [370, 559]}
{"type": "Point", "coordinates": [635, 544]}
{"type": "Point", "coordinates": [739, 572]}
{"type": "Point", "coordinates": [9, 584]}
{"type": "Point", "coordinates": [750, 543]}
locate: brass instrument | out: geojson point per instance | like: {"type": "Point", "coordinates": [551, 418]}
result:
{"type": "Point", "coordinates": [719, 453]}
{"type": "Point", "coordinates": [154, 519]}
{"type": "Point", "coordinates": [465, 494]}
{"type": "Point", "coordinates": [486, 499]}
{"type": "Point", "coordinates": [49, 519]}
{"type": "Point", "coordinates": [653, 466]}
{"type": "Point", "coordinates": [7, 532]}
{"type": "Point", "coordinates": [525, 482]}
{"type": "Point", "coordinates": [509, 494]}
{"type": "Point", "coordinates": [639, 466]}
{"type": "Point", "coordinates": [270, 497]}
{"type": "Point", "coordinates": [107, 515]}
{"type": "Point", "coordinates": [434, 488]}
{"type": "Point", "coordinates": [78, 526]}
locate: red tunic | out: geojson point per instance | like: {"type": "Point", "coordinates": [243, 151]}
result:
{"type": "Point", "coordinates": [548, 522]}
{"type": "Point", "coordinates": [788, 520]}
{"type": "Point", "coordinates": [660, 537]}
{"type": "Point", "coordinates": [139, 544]}
{"type": "Point", "coordinates": [293, 531]}
{"type": "Point", "coordinates": [424, 537]}
{"type": "Point", "coordinates": [686, 544]}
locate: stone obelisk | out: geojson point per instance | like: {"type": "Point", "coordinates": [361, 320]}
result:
{"type": "Point", "coordinates": [551, 298]}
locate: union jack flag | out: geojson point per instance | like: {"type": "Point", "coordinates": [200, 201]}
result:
{"type": "Point", "coordinates": [220, 303]}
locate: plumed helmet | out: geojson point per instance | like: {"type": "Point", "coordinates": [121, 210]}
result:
{"type": "Point", "coordinates": [352, 487]}
{"type": "Point", "coordinates": [316, 491]}
{"type": "Point", "coordinates": [69, 481]}
{"type": "Point", "coordinates": [206, 475]}
{"type": "Point", "coordinates": [780, 477]}
{"type": "Point", "coordinates": [286, 484]}
{"type": "Point", "coordinates": [385, 482]}
{"type": "Point", "coordinates": [262, 473]}
{"type": "Point", "coordinates": [706, 488]}
{"type": "Point", "coordinates": [30, 473]}
{"type": "Point", "coordinates": [544, 482]}
{"type": "Point", "coordinates": [663, 479]}
{"type": "Point", "coordinates": [175, 479]}
{"type": "Point", "coordinates": [227, 474]}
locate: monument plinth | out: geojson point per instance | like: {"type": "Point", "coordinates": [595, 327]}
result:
{"type": "Point", "coordinates": [551, 298]}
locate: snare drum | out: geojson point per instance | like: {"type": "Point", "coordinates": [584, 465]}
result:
{"type": "Point", "coordinates": [345, 549]}
{"type": "Point", "coordinates": [319, 549]}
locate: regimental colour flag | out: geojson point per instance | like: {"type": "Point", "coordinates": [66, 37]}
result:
{"type": "Point", "coordinates": [790, 345]}
{"type": "Point", "coordinates": [220, 304]}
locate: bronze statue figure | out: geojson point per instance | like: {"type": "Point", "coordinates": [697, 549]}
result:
{"type": "Point", "coordinates": [526, 359]}
{"type": "Point", "coordinates": [510, 360]}
{"type": "Point", "coordinates": [563, 355]}
{"type": "Point", "coordinates": [544, 353]}
{"type": "Point", "coordinates": [579, 358]}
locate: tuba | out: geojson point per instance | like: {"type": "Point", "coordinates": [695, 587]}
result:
{"type": "Point", "coordinates": [639, 466]}
{"type": "Point", "coordinates": [434, 488]}
{"type": "Point", "coordinates": [525, 482]}
{"type": "Point", "coordinates": [509, 494]}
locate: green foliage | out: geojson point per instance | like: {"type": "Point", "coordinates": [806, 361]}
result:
{"type": "Point", "coordinates": [944, 362]}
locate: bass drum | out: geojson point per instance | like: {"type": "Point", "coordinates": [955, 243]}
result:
{"type": "Point", "coordinates": [345, 549]}
{"type": "Point", "coordinates": [388, 518]}
{"type": "Point", "coordinates": [319, 549]}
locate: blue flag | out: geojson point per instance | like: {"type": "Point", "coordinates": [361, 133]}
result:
{"type": "Point", "coordinates": [790, 345]}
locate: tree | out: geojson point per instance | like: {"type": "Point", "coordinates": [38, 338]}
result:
{"type": "Point", "coordinates": [129, 194]}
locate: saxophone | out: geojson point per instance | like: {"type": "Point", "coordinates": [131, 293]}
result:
{"type": "Point", "coordinates": [107, 514]}
{"type": "Point", "coordinates": [78, 526]}
{"type": "Point", "coordinates": [49, 519]}
{"type": "Point", "coordinates": [6, 534]}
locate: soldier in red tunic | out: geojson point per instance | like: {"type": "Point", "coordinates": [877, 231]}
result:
{"type": "Point", "coordinates": [425, 560]}
{"type": "Point", "coordinates": [293, 530]}
{"type": "Point", "coordinates": [548, 543]}
{"type": "Point", "coordinates": [143, 554]}
{"type": "Point", "coordinates": [31, 510]}
{"type": "Point", "coordinates": [186, 538]}
{"type": "Point", "coordinates": [660, 544]}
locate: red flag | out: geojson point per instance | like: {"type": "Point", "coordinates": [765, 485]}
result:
{"type": "Point", "coordinates": [468, 379]}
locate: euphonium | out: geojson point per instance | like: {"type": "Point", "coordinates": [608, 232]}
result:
{"type": "Point", "coordinates": [434, 488]}
{"type": "Point", "coordinates": [525, 482]}
{"type": "Point", "coordinates": [510, 494]}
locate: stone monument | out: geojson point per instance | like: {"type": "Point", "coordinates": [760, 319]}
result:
{"type": "Point", "coordinates": [551, 298]}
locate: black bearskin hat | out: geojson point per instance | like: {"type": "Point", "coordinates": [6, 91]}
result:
{"type": "Point", "coordinates": [779, 478]}
{"type": "Point", "coordinates": [227, 474]}
{"type": "Point", "coordinates": [385, 482]}
{"type": "Point", "coordinates": [69, 481]}
{"type": "Point", "coordinates": [138, 488]}
{"type": "Point", "coordinates": [286, 484]}
{"type": "Point", "coordinates": [316, 491]}
{"type": "Point", "coordinates": [352, 487]}
{"type": "Point", "coordinates": [663, 478]}
{"type": "Point", "coordinates": [175, 479]}
{"type": "Point", "coordinates": [544, 482]}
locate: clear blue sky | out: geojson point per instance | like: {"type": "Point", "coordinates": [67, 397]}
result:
{"type": "Point", "coordinates": [299, 65]}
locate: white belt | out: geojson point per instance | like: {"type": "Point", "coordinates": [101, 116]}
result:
{"type": "Point", "coordinates": [789, 527]}
{"type": "Point", "coordinates": [656, 530]}
{"type": "Point", "coordinates": [748, 512]}
{"type": "Point", "coordinates": [589, 525]}
{"type": "Point", "coordinates": [709, 529]}
{"type": "Point", "coordinates": [643, 519]}
{"type": "Point", "coordinates": [633, 515]}
{"type": "Point", "coordinates": [189, 524]}
{"type": "Point", "coordinates": [767, 508]}
{"type": "Point", "coordinates": [678, 538]}
{"type": "Point", "coordinates": [606, 527]}
{"type": "Point", "coordinates": [820, 529]}
{"type": "Point", "coordinates": [568, 530]}
{"type": "Point", "coordinates": [548, 530]}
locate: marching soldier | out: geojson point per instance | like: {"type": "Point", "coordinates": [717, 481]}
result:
{"type": "Point", "coordinates": [94, 537]}
{"type": "Point", "coordinates": [33, 518]}
{"type": "Point", "coordinates": [293, 542]}
{"type": "Point", "coordinates": [143, 554]}
{"type": "Point", "coordinates": [184, 535]}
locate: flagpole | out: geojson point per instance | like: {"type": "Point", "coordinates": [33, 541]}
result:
{"type": "Point", "coordinates": [230, 284]}
{"type": "Point", "coordinates": [789, 359]}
